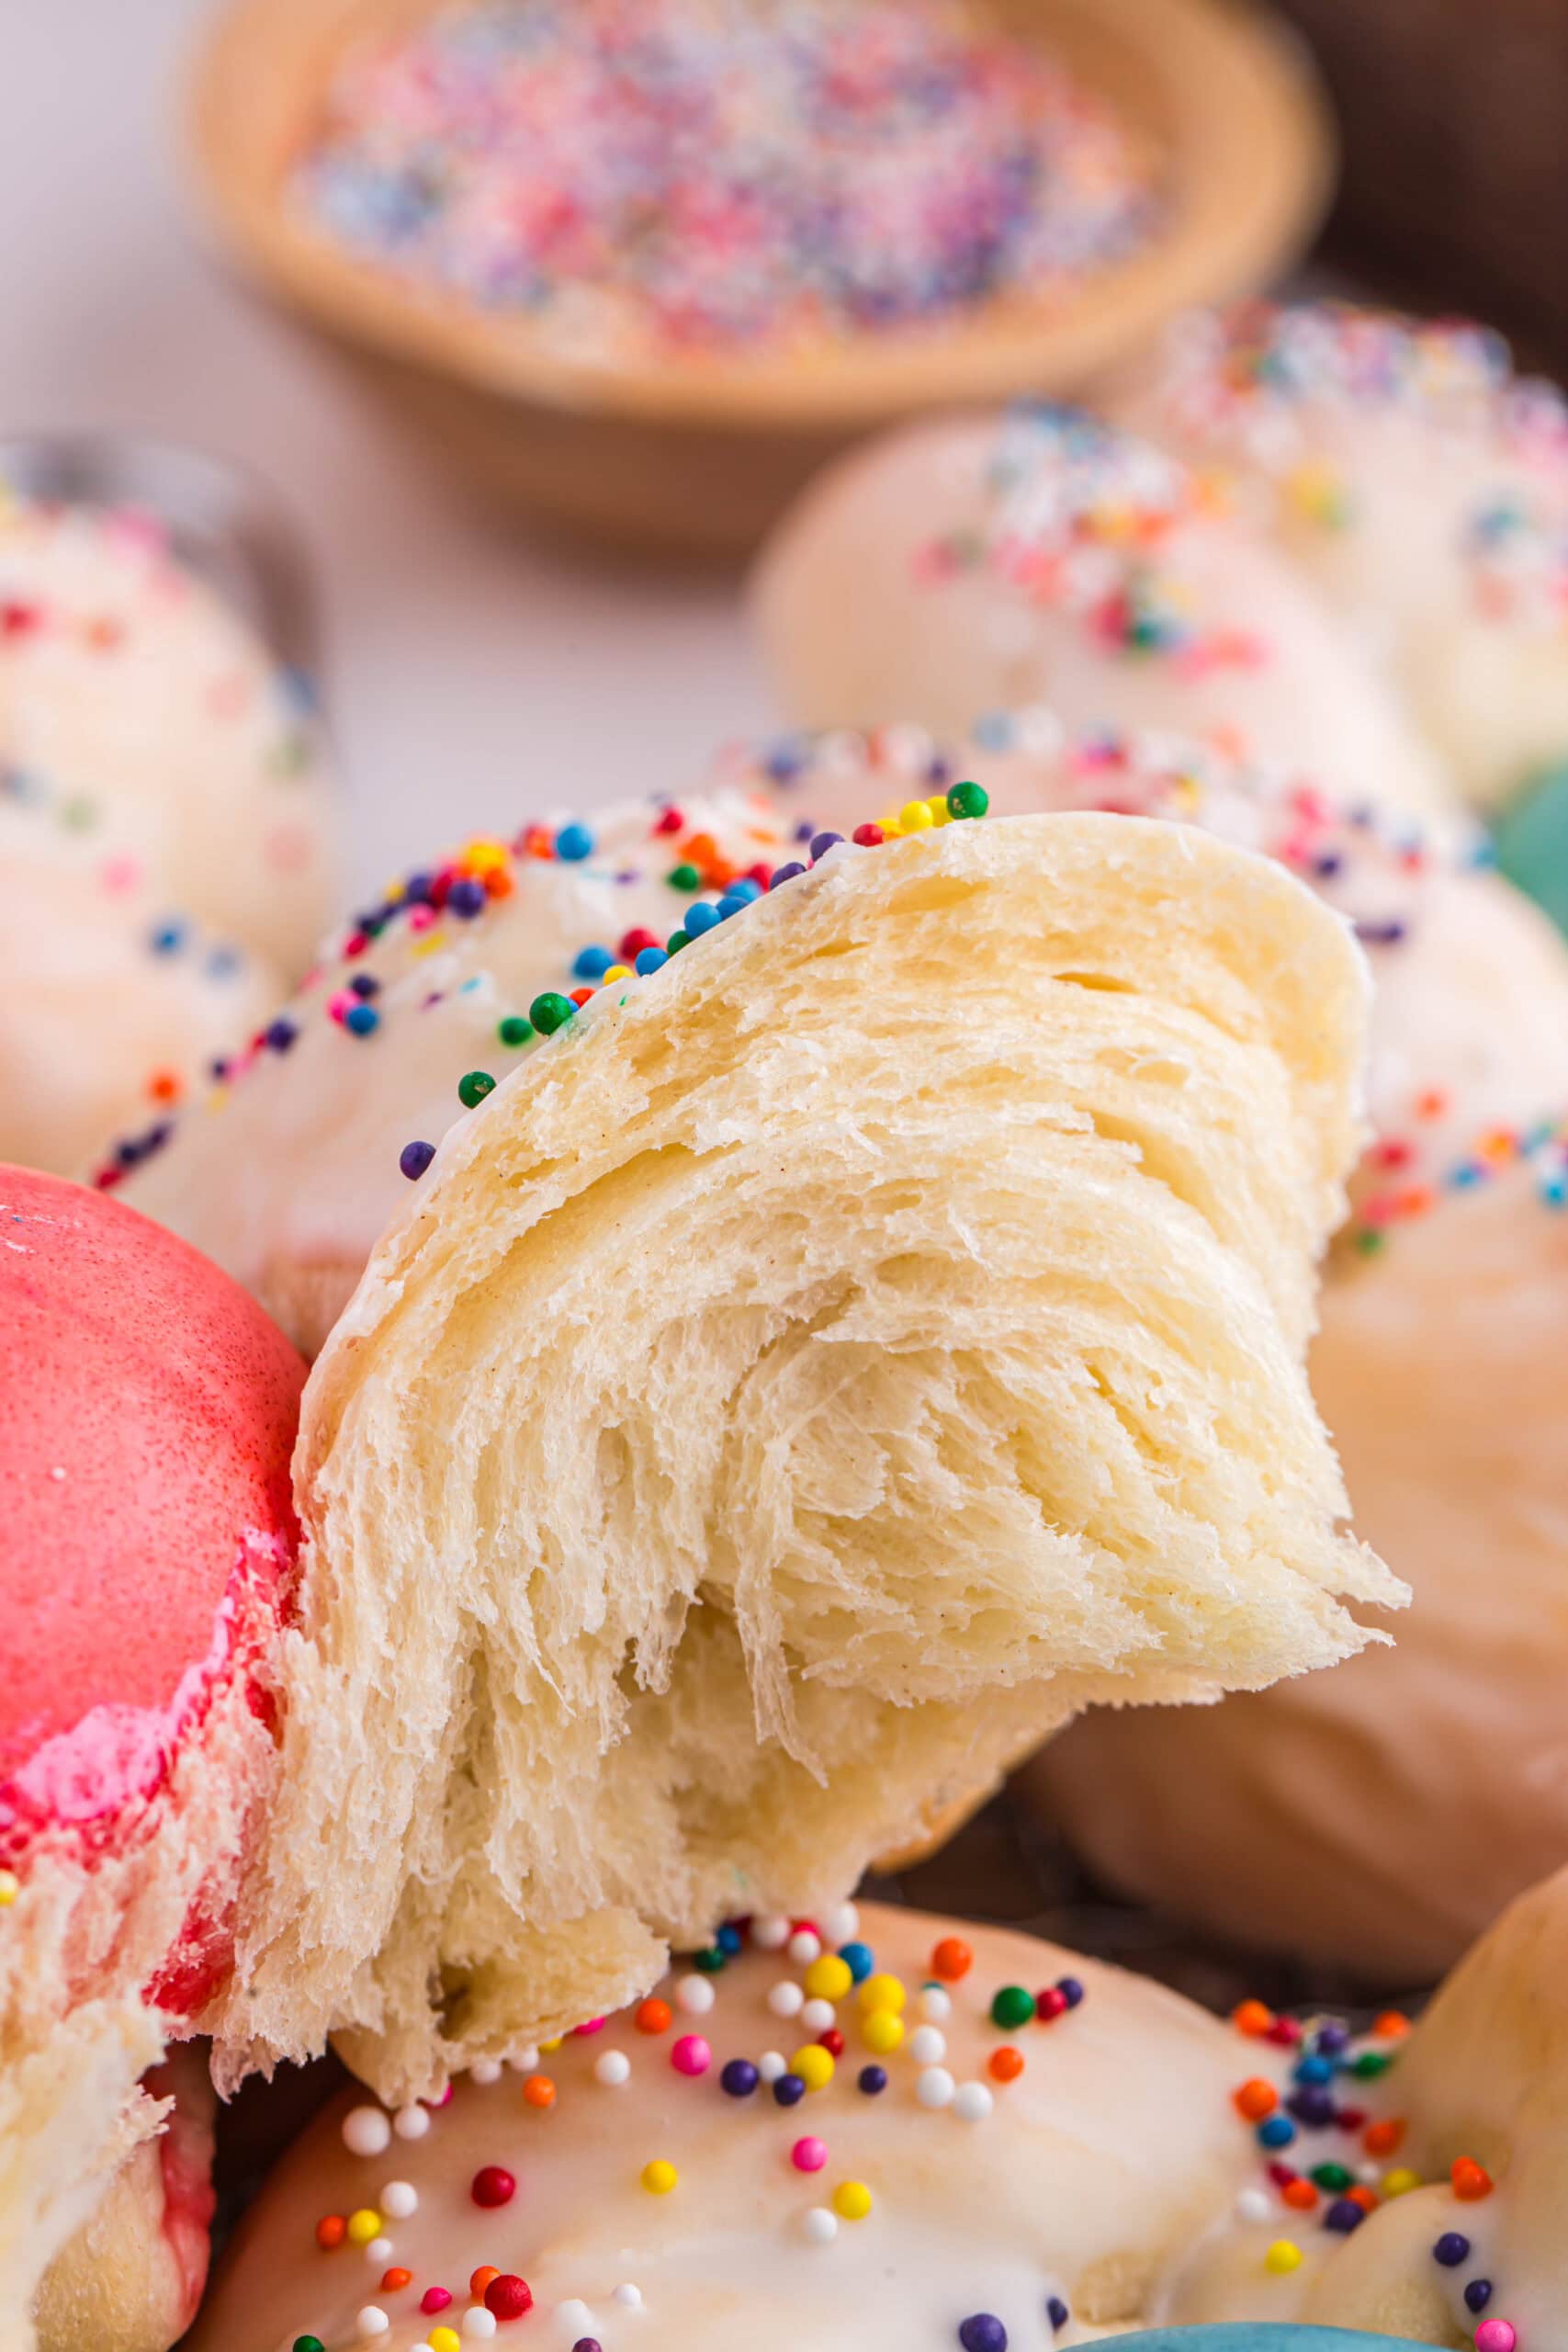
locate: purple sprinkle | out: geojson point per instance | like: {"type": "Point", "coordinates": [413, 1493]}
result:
{"type": "Point", "coordinates": [415, 1158]}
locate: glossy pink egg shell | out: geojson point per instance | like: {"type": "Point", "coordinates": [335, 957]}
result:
{"type": "Point", "coordinates": [148, 1410]}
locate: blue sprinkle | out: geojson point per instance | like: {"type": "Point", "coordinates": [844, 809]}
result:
{"type": "Point", "coordinates": [1278, 2131]}
{"type": "Point", "coordinates": [744, 888]}
{"type": "Point", "coordinates": [650, 958]}
{"type": "Point", "coordinates": [700, 918]}
{"type": "Point", "coordinates": [223, 963]}
{"type": "Point", "coordinates": [731, 904]}
{"type": "Point", "coordinates": [591, 964]}
{"type": "Point", "coordinates": [728, 1940]}
{"type": "Point", "coordinates": [859, 1959]}
{"type": "Point", "coordinates": [362, 1020]}
{"type": "Point", "coordinates": [1314, 2070]}
{"type": "Point", "coordinates": [167, 938]}
{"type": "Point", "coordinates": [574, 842]}
{"type": "Point", "coordinates": [993, 731]}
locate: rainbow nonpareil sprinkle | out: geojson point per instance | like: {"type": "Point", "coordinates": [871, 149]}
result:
{"type": "Point", "coordinates": [686, 175]}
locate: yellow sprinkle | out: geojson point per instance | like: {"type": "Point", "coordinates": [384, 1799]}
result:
{"type": "Point", "coordinates": [217, 1098]}
{"type": "Point", "coordinates": [364, 2225]}
{"type": "Point", "coordinates": [1400, 2181]}
{"type": "Point", "coordinates": [10, 1887]}
{"type": "Point", "coordinates": [914, 817]}
{"type": "Point", "coordinates": [814, 2066]}
{"type": "Point", "coordinates": [828, 1978]}
{"type": "Point", "coordinates": [444, 2339]}
{"type": "Point", "coordinates": [1283, 2258]}
{"type": "Point", "coordinates": [616, 972]}
{"type": "Point", "coordinates": [883, 1992]}
{"type": "Point", "coordinates": [882, 2031]}
{"type": "Point", "coordinates": [553, 2045]}
{"type": "Point", "coordinates": [658, 2177]}
{"type": "Point", "coordinates": [484, 855]}
{"type": "Point", "coordinates": [940, 813]}
{"type": "Point", "coordinates": [851, 2200]}
{"type": "Point", "coordinates": [428, 944]}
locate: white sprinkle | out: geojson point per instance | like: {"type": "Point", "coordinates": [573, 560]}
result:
{"type": "Point", "coordinates": [804, 1948]}
{"type": "Point", "coordinates": [371, 2320]}
{"type": "Point", "coordinates": [972, 2102]}
{"type": "Point", "coordinates": [771, 1933]}
{"type": "Point", "coordinates": [478, 2321]}
{"type": "Point", "coordinates": [935, 2003]}
{"type": "Point", "coordinates": [772, 2065]}
{"type": "Point", "coordinates": [821, 2225]}
{"type": "Point", "coordinates": [1254, 2205]}
{"type": "Point", "coordinates": [366, 2132]}
{"type": "Point", "coordinates": [842, 1924]}
{"type": "Point", "coordinates": [694, 1995]}
{"type": "Point", "coordinates": [934, 2087]}
{"type": "Point", "coordinates": [424, 2347]}
{"type": "Point", "coordinates": [486, 2071]}
{"type": "Point", "coordinates": [628, 2297]}
{"type": "Point", "coordinates": [818, 2015]}
{"type": "Point", "coordinates": [785, 1998]}
{"type": "Point", "coordinates": [927, 2045]}
{"type": "Point", "coordinates": [1369, 2174]}
{"type": "Point", "coordinates": [380, 2250]}
{"type": "Point", "coordinates": [612, 2066]}
{"type": "Point", "coordinates": [412, 2122]}
{"type": "Point", "coordinates": [574, 2319]}
{"type": "Point", "coordinates": [399, 2199]}
{"type": "Point", "coordinates": [523, 2061]}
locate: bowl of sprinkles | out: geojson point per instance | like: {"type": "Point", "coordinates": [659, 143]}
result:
{"type": "Point", "coordinates": [636, 267]}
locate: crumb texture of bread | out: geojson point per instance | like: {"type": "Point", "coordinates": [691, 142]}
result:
{"type": "Point", "coordinates": [813, 1378]}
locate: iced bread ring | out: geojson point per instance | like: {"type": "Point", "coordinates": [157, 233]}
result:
{"type": "Point", "coordinates": [132, 696]}
{"type": "Point", "coordinates": [952, 569]}
{"type": "Point", "coordinates": [822, 1365]}
{"type": "Point", "coordinates": [881, 2132]}
{"type": "Point", "coordinates": [1421, 487]}
{"type": "Point", "coordinates": [1379, 1816]}
{"type": "Point", "coordinates": [150, 1413]}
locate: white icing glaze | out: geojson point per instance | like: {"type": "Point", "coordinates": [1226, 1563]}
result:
{"type": "Point", "coordinates": [130, 691]}
{"type": "Point", "coordinates": [287, 1177]}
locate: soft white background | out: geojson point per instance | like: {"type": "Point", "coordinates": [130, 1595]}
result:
{"type": "Point", "coordinates": [470, 679]}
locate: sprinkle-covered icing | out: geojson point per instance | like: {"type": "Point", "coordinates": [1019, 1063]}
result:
{"type": "Point", "coordinates": [871, 2129]}
{"type": "Point", "coordinates": [111, 1002]}
{"type": "Point", "coordinates": [1321, 2107]}
{"type": "Point", "coordinates": [1291, 391]}
{"type": "Point", "coordinates": [1455, 1104]}
{"type": "Point", "coordinates": [436, 992]}
{"type": "Point", "coordinates": [1088, 521]}
{"type": "Point", "coordinates": [131, 698]}
{"type": "Point", "coordinates": [708, 174]}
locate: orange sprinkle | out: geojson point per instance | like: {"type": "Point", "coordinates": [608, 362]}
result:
{"type": "Point", "coordinates": [951, 1959]}
{"type": "Point", "coordinates": [1300, 2195]}
{"type": "Point", "coordinates": [1005, 2064]}
{"type": "Point", "coordinates": [1432, 1104]}
{"type": "Point", "coordinates": [1415, 1200]}
{"type": "Point", "coordinates": [1381, 2139]}
{"type": "Point", "coordinates": [1253, 2017]}
{"type": "Point", "coordinates": [1367, 2198]}
{"type": "Point", "coordinates": [331, 2229]}
{"type": "Point", "coordinates": [1499, 1143]}
{"type": "Point", "coordinates": [481, 2278]}
{"type": "Point", "coordinates": [1471, 2181]}
{"type": "Point", "coordinates": [499, 883]}
{"type": "Point", "coordinates": [653, 2016]}
{"type": "Point", "coordinates": [1255, 2099]}
{"type": "Point", "coordinates": [700, 850]}
{"type": "Point", "coordinates": [581, 995]}
{"type": "Point", "coordinates": [166, 1086]}
{"type": "Point", "coordinates": [539, 2091]}
{"type": "Point", "coordinates": [394, 2278]}
{"type": "Point", "coordinates": [1391, 2026]}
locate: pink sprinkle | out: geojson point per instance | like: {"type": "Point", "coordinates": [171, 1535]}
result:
{"type": "Point", "coordinates": [121, 874]}
{"type": "Point", "coordinates": [444, 2099]}
{"type": "Point", "coordinates": [421, 918]}
{"type": "Point", "coordinates": [590, 2025]}
{"type": "Point", "coordinates": [1495, 2336]}
{"type": "Point", "coordinates": [435, 2298]}
{"type": "Point", "coordinates": [691, 2055]}
{"type": "Point", "coordinates": [808, 2155]}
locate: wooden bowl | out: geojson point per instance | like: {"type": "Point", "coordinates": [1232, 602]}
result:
{"type": "Point", "coordinates": [699, 455]}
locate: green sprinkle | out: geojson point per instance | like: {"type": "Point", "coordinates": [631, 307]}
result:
{"type": "Point", "coordinates": [550, 1011]}
{"type": "Point", "coordinates": [1332, 2177]}
{"type": "Point", "coordinates": [676, 941]}
{"type": "Point", "coordinates": [1371, 2063]}
{"type": "Point", "coordinates": [684, 877]}
{"type": "Point", "coordinates": [1369, 1241]}
{"type": "Point", "coordinates": [514, 1030]}
{"type": "Point", "coordinates": [968, 800]}
{"type": "Point", "coordinates": [473, 1089]}
{"type": "Point", "coordinates": [309, 2344]}
{"type": "Point", "coordinates": [1012, 2006]}
{"type": "Point", "coordinates": [709, 1962]}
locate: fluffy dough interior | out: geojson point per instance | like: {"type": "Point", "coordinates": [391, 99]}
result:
{"type": "Point", "coordinates": [813, 1377]}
